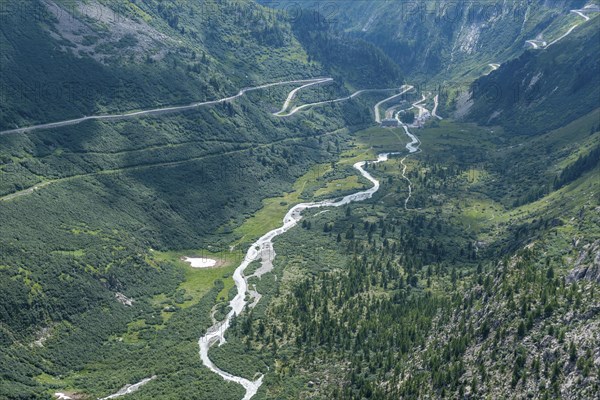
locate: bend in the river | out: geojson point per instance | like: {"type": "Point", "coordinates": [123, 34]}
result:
{"type": "Point", "coordinates": [262, 249]}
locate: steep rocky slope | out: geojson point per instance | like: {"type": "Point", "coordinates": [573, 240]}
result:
{"type": "Point", "coordinates": [542, 89]}
{"type": "Point", "coordinates": [452, 40]}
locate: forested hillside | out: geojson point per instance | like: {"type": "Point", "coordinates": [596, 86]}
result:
{"type": "Point", "coordinates": [83, 207]}
{"type": "Point", "coordinates": [103, 57]}
{"type": "Point", "coordinates": [117, 56]}
{"type": "Point", "coordinates": [542, 90]}
{"type": "Point", "coordinates": [452, 252]}
{"type": "Point", "coordinates": [458, 296]}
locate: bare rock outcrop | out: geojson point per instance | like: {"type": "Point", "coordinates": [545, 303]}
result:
{"type": "Point", "coordinates": [587, 265]}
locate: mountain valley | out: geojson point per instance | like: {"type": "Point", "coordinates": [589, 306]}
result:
{"type": "Point", "coordinates": [239, 199]}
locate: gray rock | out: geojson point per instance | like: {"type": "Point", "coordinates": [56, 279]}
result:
{"type": "Point", "coordinates": [587, 271]}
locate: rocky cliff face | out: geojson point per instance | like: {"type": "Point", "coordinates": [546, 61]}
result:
{"type": "Point", "coordinates": [528, 94]}
{"type": "Point", "coordinates": [524, 333]}
{"type": "Point", "coordinates": [587, 265]}
{"type": "Point", "coordinates": [429, 38]}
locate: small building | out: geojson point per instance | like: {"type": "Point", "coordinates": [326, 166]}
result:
{"type": "Point", "coordinates": [389, 123]}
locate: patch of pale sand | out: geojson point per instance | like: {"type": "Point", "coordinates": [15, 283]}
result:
{"type": "Point", "coordinates": [200, 262]}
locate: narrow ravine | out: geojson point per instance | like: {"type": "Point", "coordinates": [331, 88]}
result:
{"type": "Point", "coordinates": [262, 250]}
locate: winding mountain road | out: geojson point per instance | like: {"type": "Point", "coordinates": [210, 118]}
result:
{"type": "Point", "coordinates": [494, 66]}
{"type": "Point", "coordinates": [293, 93]}
{"type": "Point", "coordinates": [571, 29]}
{"type": "Point", "coordinates": [164, 110]}
{"type": "Point", "coordinates": [114, 117]}
{"type": "Point", "coordinates": [403, 89]}
{"type": "Point", "coordinates": [423, 112]}
{"type": "Point", "coordinates": [581, 14]}
{"type": "Point", "coordinates": [536, 44]}
{"type": "Point", "coordinates": [540, 44]}
{"type": "Point", "coordinates": [319, 103]}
